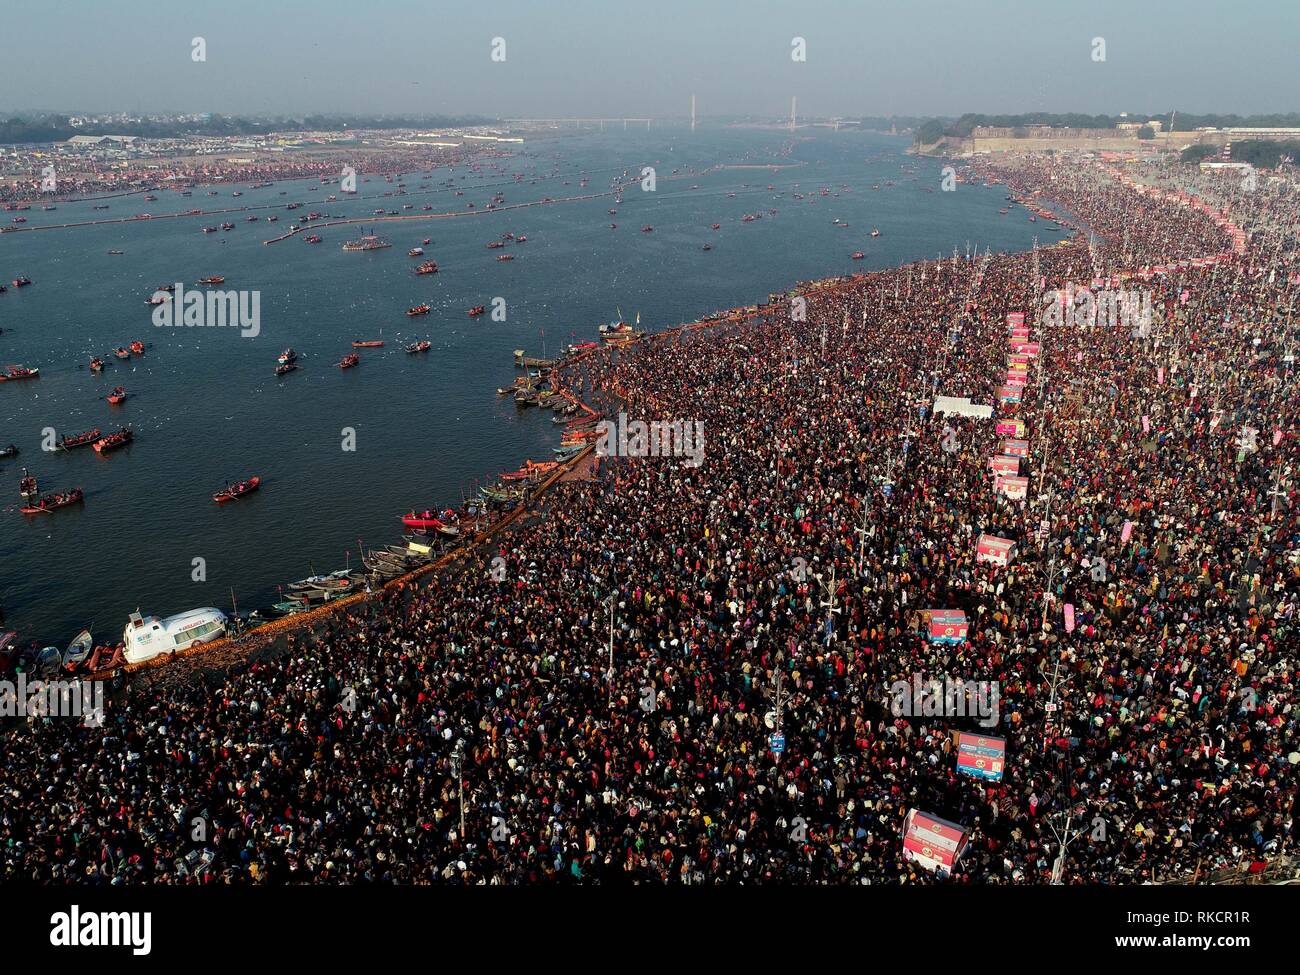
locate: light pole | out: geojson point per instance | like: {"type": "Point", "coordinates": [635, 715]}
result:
{"type": "Point", "coordinates": [829, 604]}
{"type": "Point", "coordinates": [613, 602]}
{"type": "Point", "coordinates": [457, 767]}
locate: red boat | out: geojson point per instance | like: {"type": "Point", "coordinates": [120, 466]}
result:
{"type": "Point", "coordinates": [495, 244]}
{"type": "Point", "coordinates": [521, 239]}
{"type": "Point", "coordinates": [368, 344]}
{"type": "Point", "coordinates": [858, 255]}
{"type": "Point", "coordinates": [232, 491]}
{"type": "Point", "coordinates": [417, 310]}
{"type": "Point", "coordinates": [16, 373]}
{"type": "Point", "coordinates": [426, 241]}
{"type": "Point", "coordinates": [122, 352]}
{"type": "Point", "coordinates": [717, 226]}
{"type": "Point", "coordinates": [114, 440]}
{"type": "Point", "coordinates": [80, 440]}
{"type": "Point", "coordinates": [215, 279]}
{"type": "Point", "coordinates": [22, 282]}
{"type": "Point", "coordinates": [426, 520]}
{"type": "Point", "coordinates": [476, 311]}
{"type": "Point", "coordinates": [54, 501]}
{"type": "Point", "coordinates": [428, 267]}
{"type": "Point", "coordinates": [227, 226]}
{"type": "Point", "coordinates": [313, 239]}
{"type": "Point", "coordinates": [505, 257]}
{"type": "Point", "coordinates": [97, 364]}
{"type": "Point", "coordinates": [137, 347]}
{"type": "Point", "coordinates": [348, 361]}
{"type": "Point", "coordinates": [421, 346]}
{"type": "Point", "coordinates": [117, 395]}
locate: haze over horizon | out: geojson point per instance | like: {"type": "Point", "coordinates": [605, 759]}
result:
{"type": "Point", "coordinates": [407, 57]}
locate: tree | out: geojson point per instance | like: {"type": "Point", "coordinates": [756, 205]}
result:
{"type": "Point", "coordinates": [1146, 132]}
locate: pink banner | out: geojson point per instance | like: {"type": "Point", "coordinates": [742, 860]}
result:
{"type": "Point", "coordinates": [994, 549]}
{"type": "Point", "coordinates": [1125, 532]}
{"type": "Point", "coordinates": [1004, 464]}
{"type": "Point", "coordinates": [1069, 618]}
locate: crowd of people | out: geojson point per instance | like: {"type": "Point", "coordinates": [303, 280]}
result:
{"type": "Point", "coordinates": [601, 711]}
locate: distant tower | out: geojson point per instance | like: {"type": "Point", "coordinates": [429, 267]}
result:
{"type": "Point", "coordinates": [793, 102]}
{"type": "Point", "coordinates": [692, 113]}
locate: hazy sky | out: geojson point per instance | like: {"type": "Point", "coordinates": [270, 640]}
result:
{"type": "Point", "coordinates": [593, 58]}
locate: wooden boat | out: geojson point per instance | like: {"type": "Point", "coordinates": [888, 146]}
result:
{"type": "Point", "coordinates": [368, 344]}
{"type": "Point", "coordinates": [10, 451]}
{"type": "Point", "coordinates": [78, 650]}
{"type": "Point", "coordinates": [19, 373]}
{"type": "Point", "coordinates": [114, 441]}
{"type": "Point", "coordinates": [422, 346]}
{"type": "Point", "coordinates": [215, 279]}
{"type": "Point", "coordinates": [348, 361]}
{"type": "Point", "coordinates": [284, 368]}
{"type": "Point", "coordinates": [857, 255]}
{"type": "Point", "coordinates": [118, 395]}
{"type": "Point", "coordinates": [475, 311]}
{"type": "Point", "coordinates": [122, 352]}
{"type": "Point", "coordinates": [327, 583]}
{"type": "Point", "coordinates": [428, 267]}
{"type": "Point", "coordinates": [80, 440]}
{"type": "Point", "coordinates": [528, 362]}
{"type": "Point", "coordinates": [233, 491]}
{"type": "Point", "coordinates": [53, 502]}
{"type": "Point", "coordinates": [875, 233]}
{"type": "Point", "coordinates": [417, 310]}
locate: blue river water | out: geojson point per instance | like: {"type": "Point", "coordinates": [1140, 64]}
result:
{"type": "Point", "coordinates": [206, 407]}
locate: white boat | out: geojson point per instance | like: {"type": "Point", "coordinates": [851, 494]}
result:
{"type": "Point", "coordinates": [149, 636]}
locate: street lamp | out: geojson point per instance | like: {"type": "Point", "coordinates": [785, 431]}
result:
{"type": "Point", "coordinates": [457, 765]}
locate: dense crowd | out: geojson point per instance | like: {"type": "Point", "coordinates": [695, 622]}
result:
{"type": "Point", "coordinates": [826, 493]}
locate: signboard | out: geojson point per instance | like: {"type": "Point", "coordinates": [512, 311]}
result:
{"type": "Point", "coordinates": [1010, 428]}
{"type": "Point", "coordinates": [1004, 464]}
{"type": "Point", "coordinates": [776, 741]}
{"type": "Point", "coordinates": [947, 625]}
{"type": "Point", "coordinates": [1015, 318]}
{"type": "Point", "coordinates": [994, 549]}
{"type": "Point", "coordinates": [1009, 394]}
{"type": "Point", "coordinates": [1015, 488]}
{"type": "Point", "coordinates": [1015, 448]}
{"type": "Point", "coordinates": [1027, 348]}
{"type": "Point", "coordinates": [981, 756]}
{"type": "Point", "coordinates": [1015, 380]}
{"type": "Point", "coordinates": [932, 842]}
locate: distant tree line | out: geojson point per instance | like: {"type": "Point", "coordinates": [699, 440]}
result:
{"type": "Point", "coordinates": [59, 128]}
{"type": "Point", "coordinates": [1261, 153]}
{"type": "Point", "coordinates": [931, 130]}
